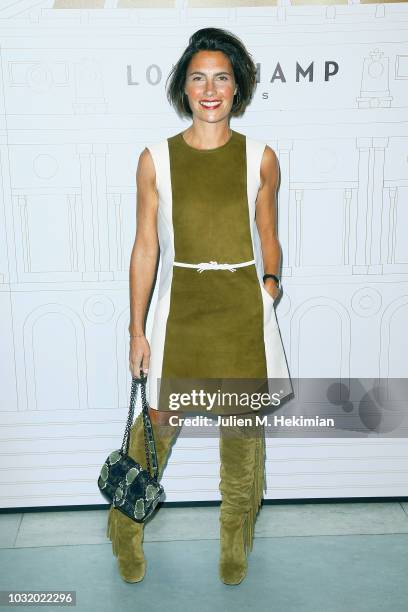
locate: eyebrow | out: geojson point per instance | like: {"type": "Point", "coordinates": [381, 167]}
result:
{"type": "Point", "coordinates": [217, 73]}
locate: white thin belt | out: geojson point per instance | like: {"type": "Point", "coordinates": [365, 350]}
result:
{"type": "Point", "coordinates": [213, 265]}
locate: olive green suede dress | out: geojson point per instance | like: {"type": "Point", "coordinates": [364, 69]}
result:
{"type": "Point", "coordinates": [213, 325]}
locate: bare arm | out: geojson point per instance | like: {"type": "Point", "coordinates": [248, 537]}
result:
{"type": "Point", "coordinates": [143, 259]}
{"type": "Point", "coordinates": [266, 217]}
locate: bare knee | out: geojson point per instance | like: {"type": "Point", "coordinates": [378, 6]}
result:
{"type": "Point", "coordinates": [159, 417]}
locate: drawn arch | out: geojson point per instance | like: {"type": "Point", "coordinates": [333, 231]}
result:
{"type": "Point", "coordinates": [54, 352]}
{"type": "Point", "coordinates": [335, 344]}
{"type": "Point", "coordinates": [392, 361]}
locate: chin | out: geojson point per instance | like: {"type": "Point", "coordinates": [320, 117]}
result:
{"type": "Point", "coordinates": [212, 117]}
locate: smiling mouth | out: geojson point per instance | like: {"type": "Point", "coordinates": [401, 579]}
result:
{"type": "Point", "coordinates": [210, 103]}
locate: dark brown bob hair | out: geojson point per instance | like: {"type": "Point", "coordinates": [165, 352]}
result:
{"type": "Point", "coordinates": [214, 39]}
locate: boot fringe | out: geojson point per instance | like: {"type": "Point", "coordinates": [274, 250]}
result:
{"type": "Point", "coordinates": [111, 530]}
{"type": "Point", "coordinates": [110, 524]}
{"type": "Point", "coordinates": [259, 484]}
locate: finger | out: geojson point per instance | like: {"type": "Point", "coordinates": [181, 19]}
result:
{"type": "Point", "coordinates": [136, 365]}
{"type": "Point", "coordinates": [146, 362]}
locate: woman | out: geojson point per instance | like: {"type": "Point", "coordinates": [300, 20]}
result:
{"type": "Point", "coordinates": [196, 197]}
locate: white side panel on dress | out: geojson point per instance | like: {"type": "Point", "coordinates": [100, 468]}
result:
{"type": "Point", "coordinates": [277, 367]}
{"type": "Point", "coordinates": [161, 159]}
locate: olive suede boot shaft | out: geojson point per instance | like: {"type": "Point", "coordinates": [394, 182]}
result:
{"type": "Point", "coordinates": [126, 534]}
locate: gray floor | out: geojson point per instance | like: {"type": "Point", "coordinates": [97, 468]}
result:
{"type": "Point", "coordinates": [307, 557]}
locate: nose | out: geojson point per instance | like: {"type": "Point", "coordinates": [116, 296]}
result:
{"type": "Point", "coordinates": [210, 87]}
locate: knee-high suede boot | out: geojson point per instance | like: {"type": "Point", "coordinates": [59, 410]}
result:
{"type": "Point", "coordinates": [242, 471]}
{"type": "Point", "coordinates": [126, 534]}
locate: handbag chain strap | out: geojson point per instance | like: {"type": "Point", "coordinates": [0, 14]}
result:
{"type": "Point", "coordinates": [150, 446]}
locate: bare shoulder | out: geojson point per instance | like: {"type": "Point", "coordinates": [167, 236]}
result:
{"type": "Point", "coordinates": [269, 167]}
{"type": "Point", "coordinates": [269, 158]}
{"type": "Point", "coordinates": [146, 160]}
{"type": "Point", "coordinates": [146, 174]}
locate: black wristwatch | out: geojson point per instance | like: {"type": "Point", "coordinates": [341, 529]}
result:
{"type": "Point", "coordinates": [275, 278]}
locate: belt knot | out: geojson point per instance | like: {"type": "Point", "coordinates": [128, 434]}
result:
{"type": "Point", "coordinates": [213, 265]}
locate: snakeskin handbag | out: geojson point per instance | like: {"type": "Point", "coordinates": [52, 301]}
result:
{"type": "Point", "coordinates": [124, 482]}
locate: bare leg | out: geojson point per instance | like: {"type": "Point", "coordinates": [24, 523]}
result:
{"type": "Point", "coordinates": [159, 417]}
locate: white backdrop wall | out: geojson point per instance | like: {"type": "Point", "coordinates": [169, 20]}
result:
{"type": "Point", "coordinates": [81, 94]}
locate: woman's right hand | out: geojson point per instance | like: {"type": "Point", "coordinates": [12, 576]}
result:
{"type": "Point", "coordinates": [139, 355]}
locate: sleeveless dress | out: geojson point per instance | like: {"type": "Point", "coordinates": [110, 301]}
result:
{"type": "Point", "coordinates": [214, 326]}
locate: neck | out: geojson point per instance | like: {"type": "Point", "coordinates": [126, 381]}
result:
{"type": "Point", "coordinates": [205, 135]}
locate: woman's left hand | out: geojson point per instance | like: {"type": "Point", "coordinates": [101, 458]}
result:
{"type": "Point", "coordinates": [272, 288]}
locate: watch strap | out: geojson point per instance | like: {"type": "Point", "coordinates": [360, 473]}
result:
{"type": "Point", "coordinates": [275, 278]}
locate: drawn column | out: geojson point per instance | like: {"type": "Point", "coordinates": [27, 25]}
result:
{"type": "Point", "coordinates": [362, 251]}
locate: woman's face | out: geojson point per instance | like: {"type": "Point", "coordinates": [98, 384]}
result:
{"type": "Point", "coordinates": [210, 86]}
